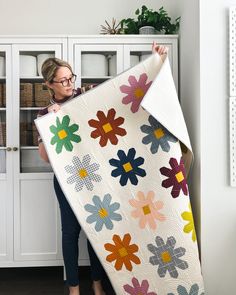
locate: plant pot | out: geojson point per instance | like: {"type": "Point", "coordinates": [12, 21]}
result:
{"type": "Point", "coordinates": [147, 30]}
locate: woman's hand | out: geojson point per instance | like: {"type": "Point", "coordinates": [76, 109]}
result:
{"type": "Point", "coordinates": [54, 108]}
{"type": "Point", "coordinates": [160, 49]}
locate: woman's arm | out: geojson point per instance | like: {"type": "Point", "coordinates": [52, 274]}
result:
{"type": "Point", "coordinates": [43, 153]}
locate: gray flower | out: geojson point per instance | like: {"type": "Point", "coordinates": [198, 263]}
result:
{"type": "Point", "coordinates": [83, 173]}
{"type": "Point", "coordinates": [167, 257]}
{"type": "Point", "coordinates": [158, 135]}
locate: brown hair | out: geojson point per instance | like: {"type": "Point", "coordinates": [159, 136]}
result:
{"type": "Point", "coordinates": [50, 67]}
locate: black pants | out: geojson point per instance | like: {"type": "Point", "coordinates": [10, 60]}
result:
{"type": "Point", "coordinates": [70, 235]}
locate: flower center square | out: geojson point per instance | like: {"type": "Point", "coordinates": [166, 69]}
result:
{"type": "Point", "coordinates": [103, 213]}
{"type": "Point", "coordinates": [159, 133]}
{"type": "Point", "coordinates": [146, 210]}
{"type": "Point", "coordinates": [83, 173]}
{"type": "Point", "coordinates": [62, 134]}
{"type": "Point", "coordinates": [138, 93]}
{"type": "Point", "coordinates": [107, 127]}
{"type": "Point", "coordinates": [127, 167]}
{"type": "Point", "coordinates": [166, 257]}
{"type": "Point", "coordinates": [123, 252]}
{"type": "Point", "coordinates": [179, 176]}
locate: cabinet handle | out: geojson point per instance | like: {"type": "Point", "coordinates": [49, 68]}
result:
{"type": "Point", "coordinates": [9, 149]}
{"type": "Point", "coordinates": [15, 149]}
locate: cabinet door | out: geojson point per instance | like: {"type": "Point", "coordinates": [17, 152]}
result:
{"type": "Point", "coordinates": [36, 223]}
{"type": "Point", "coordinates": [6, 175]}
{"type": "Point", "coordinates": [135, 53]}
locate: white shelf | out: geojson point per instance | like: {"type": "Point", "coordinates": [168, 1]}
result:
{"type": "Point", "coordinates": [31, 78]}
{"type": "Point", "coordinates": [2, 77]}
{"type": "Point", "coordinates": [34, 147]}
{"type": "Point", "coordinates": [2, 109]}
{"type": "Point", "coordinates": [30, 108]}
{"type": "Point", "coordinates": [95, 78]}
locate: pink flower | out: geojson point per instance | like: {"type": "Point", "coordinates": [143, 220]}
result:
{"type": "Point", "coordinates": [136, 91]}
{"type": "Point", "coordinates": [146, 210]}
{"type": "Point", "coordinates": [138, 288]}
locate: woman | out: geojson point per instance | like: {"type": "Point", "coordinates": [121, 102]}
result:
{"type": "Point", "coordinates": [59, 78]}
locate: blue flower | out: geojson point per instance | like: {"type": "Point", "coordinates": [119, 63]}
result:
{"type": "Point", "coordinates": [158, 135]}
{"type": "Point", "coordinates": [167, 257]}
{"type": "Point", "coordinates": [127, 167]}
{"type": "Point", "coordinates": [193, 290]}
{"type": "Point", "coordinates": [103, 212]}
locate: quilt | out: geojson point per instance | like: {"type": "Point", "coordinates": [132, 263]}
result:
{"type": "Point", "coordinates": [121, 153]}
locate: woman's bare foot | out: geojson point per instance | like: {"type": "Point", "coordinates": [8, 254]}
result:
{"type": "Point", "coordinates": [74, 290]}
{"type": "Point", "coordinates": [97, 288]}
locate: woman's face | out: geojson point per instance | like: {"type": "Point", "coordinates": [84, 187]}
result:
{"type": "Point", "coordinates": [60, 91]}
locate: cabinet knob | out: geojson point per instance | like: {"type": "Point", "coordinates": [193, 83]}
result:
{"type": "Point", "coordinates": [15, 149]}
{"type": "Point", "coordinates": [9, 149]}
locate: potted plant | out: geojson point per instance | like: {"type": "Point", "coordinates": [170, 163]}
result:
{"type": "Point", "coordinates": [146, 18]}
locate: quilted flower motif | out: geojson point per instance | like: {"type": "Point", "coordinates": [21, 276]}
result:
{"type": "Point", "coordinates": [137, 288]}
{"type": "Point", "coordinates": [136, 91]}
{"type": "Point", "coordinates": [122, 252]}
{"type": "Point", "coordinates": [127, 167]}
{"type": "Point", "coordinates": [107, 127]}
{"type": "Point", "coordinates": [158, 135]}
{"type": "Point", "coordinates": [166, 257]}
{"type": "Point", "coordinates": [194, 290]}
{"type": "Point", "coordinates": [83, 173]}
{"type": "Point", "coordinates": [64, 134]}
{"type": "Point", "coordinates": [176, 177]}
{"type": "Point", "coordinates": [188, 216]}
{"type": "Point", "coordinates": [147, 210]}
{"type": "Point", "coordinates": [103, 212]}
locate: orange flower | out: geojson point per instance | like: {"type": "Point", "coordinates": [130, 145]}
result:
{"type": "Point", "coordinates": [122, 252]}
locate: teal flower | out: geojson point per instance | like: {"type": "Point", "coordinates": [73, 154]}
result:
{"type": "Point", "coordinates": [64, 134]}
{"type": "Point", "coordinates": [194, 290]}
{"type": "Point", "coordinates": [157, 135]}
{"type": "Point", "coordinates": [103, 212]}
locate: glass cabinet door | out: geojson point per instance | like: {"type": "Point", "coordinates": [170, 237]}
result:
{"type": "Point", "coordinates": [94, 64]}
{"type": "Point", "coordinates": [33, 96]}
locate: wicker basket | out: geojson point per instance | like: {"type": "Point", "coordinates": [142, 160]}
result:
{"type": "Point", "coordinates": [25, 134]}
{"type": "Point", "coordinates": [2, 95]}
{"type": "Point", "coordinates": [2, 134]}
{"type": "Point", "coordinates": [41, 95]}
{"type": "Point", "coordinates": [26, 94]}
{"type": "Point", "coordinates": [35, 135]}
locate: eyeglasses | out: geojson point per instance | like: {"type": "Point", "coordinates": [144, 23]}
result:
{"type": "Point", "coordinates": [66, 82]}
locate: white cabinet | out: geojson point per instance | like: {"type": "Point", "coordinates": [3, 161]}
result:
{"type": "Point", "coordinates": [30, 229]}
{"type": "Point", "coordinates": [29, 218]}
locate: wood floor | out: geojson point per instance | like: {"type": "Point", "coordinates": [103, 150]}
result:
{"type": "Point", "coordinates": [43, 281]}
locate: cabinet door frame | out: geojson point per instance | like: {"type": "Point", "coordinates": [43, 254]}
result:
{"type": "Point", "coordinates": [78, 48]}
{"type": "Point", "coordinates": [29, 258]}
{"type": "Point", "coordinates": [6, 179]}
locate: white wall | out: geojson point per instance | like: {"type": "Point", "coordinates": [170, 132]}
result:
{"type": "Point", "coordinates": [67, 17]}
{"type": "Point", "coordinates": [218, 199]}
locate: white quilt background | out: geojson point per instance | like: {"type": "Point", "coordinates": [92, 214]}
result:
{"type": "Point", "coordinates": [160, 101]}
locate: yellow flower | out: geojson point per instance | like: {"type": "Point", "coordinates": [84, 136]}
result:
{"type": "Point", "coordinates": [188, 216]}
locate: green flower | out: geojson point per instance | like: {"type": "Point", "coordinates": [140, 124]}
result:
{"type": "Point", "coordinates": [64, 134]}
